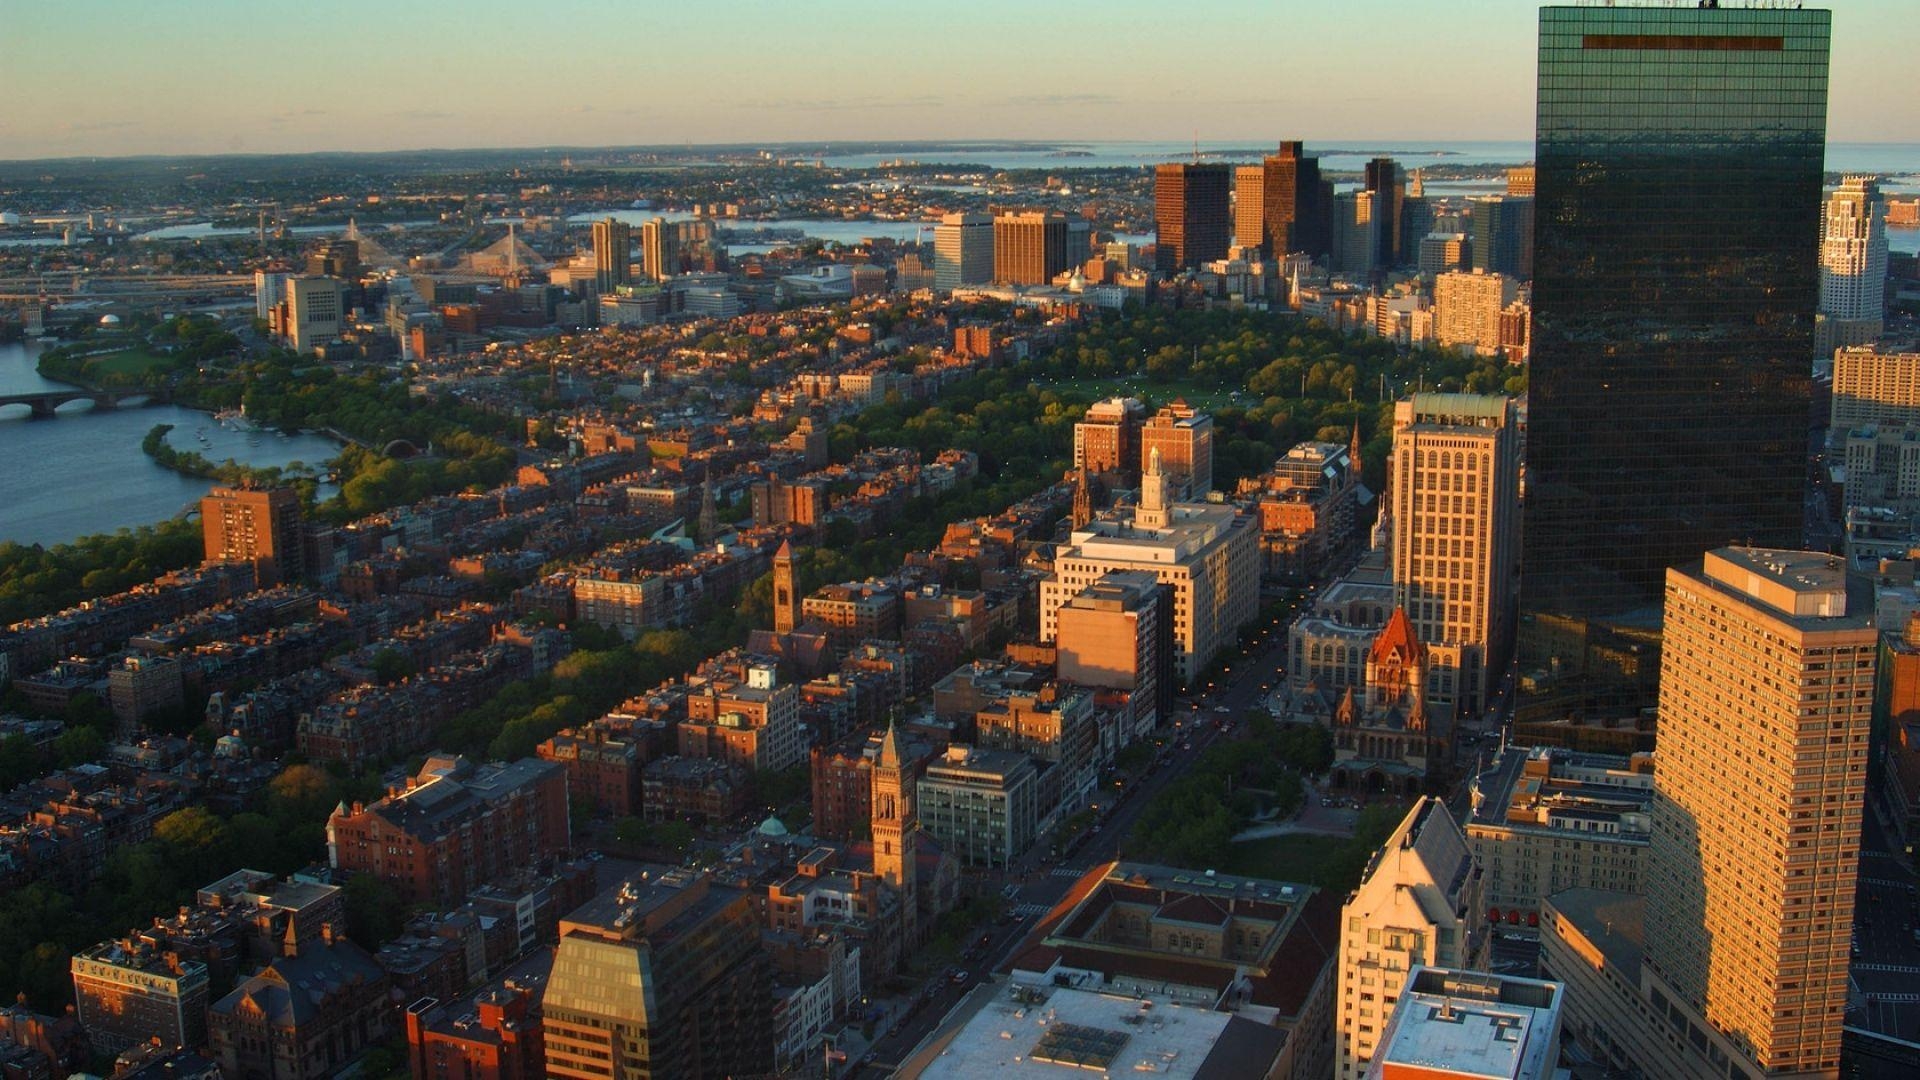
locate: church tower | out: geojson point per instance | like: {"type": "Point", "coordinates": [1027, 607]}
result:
{"type": "Point", "coordinates": [895, 823]}
{"type": "Point", "coordinates": [786, 599]}
{"type": "Point", "coordinates": [1082, 500]}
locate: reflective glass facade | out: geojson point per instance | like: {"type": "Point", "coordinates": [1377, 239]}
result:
{"type": "Point", "coordinates": [1678, 171]}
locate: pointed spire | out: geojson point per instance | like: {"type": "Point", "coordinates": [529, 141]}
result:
{"type": "Point", "coordinates": [890, 747]}
{"type": "Point", "coordinates": [1353, 448]}
{"type": "Point", "coordinates": [785, 552]}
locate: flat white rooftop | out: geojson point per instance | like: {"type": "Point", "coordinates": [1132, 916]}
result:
{"type": "Point", "coordinates": [1076, 1033]}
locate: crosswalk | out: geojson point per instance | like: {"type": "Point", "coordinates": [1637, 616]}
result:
{"type": "Point", "coordinates": [1029, 911]}
{"type": "Point", "coordinates": [1065, 871]}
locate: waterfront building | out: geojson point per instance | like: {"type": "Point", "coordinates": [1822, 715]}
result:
{"type": "Point", "coordinates": [1030, 248]}
{"type": "Point", "coordinates": [1418, 903]}
{"type": "Point", "coordinates": [1853, 261]}
{"type": "Point", "coordinates": [1453, 1024]}
{"type": "Point", "coordinates": [1455, 511]}
{"type": "Point", "coordinates": [662, 977]}
{"type": "Point", "coordinates": [1673, 304]}
{"type": "Point", "coordinates": [660, 249]}
{"type": "Point", "coordinates": [612, 254]}
{"type": "Point", "coordinates": [962, 251]}
{"type": "Point", "coordinates": [1182, 437]}
{"type": "Point", "coordinates": [1467, 309]}
{"type": "Point", "coordinates": [1207, 553]}
{"type": "Point", "coordinates": [261, 526]}
{"type": "Point", "coordinates": [1191, 214]}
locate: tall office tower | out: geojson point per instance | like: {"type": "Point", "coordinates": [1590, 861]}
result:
{"type": "Point", "coordinates": [659, 249]}
{"type": "Point", "coordinates": [1029, 248]}
{"type": "Point", "coordinates": [612, 253]}
{"type": "Point", "coordinates": [1106, 441]}
{"type": "Point", "coordinates": [1678, 178]}
{"type": "Point", "coordinates": [1418, 903]}
{"type": "Point", "coordinates": [1766, 698]}
{"type": "Point", "coordinates": [269, 289]}
{"type": "Point", "coordinates": [1299, 203]}
{"type": "Point", "coordinates": [1455, 504]}
{"type": "Point", "coordinates": [1416, 223]}
{"type": "Point", "coordinates": [261, 527]}
{"type": "Point", "coordinates": [962, 251]}
{"type": "Point", "coordinates": [895, 825]}
{"type": "Point", "coordinates": [1191, 214]}
{"type": "Point", "coordinates": [1520, 180]}
{"type": "Point", "coordinates": [1250, 207]}
{"type": "Point", "coordinates": [662, 978]}
{"type": "Point", "coordinates": [1183, 437]}
{"type": "Point", "coordinates": [1853, 265]}
{"type": "Point", "coordinates": [1388, 183]}
{"type": "Point", "coordinates": [1503, 234]}
{"type": "Point", "coordinates": [1356, 233]}
{"type": "Point", "coordinates": [312, 314]}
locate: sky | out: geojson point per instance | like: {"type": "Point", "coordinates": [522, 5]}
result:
{"type": "Point", "coordinates": [119, 77]}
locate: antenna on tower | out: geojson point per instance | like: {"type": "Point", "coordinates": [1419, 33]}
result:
{"type": "Point", "coordinates": [1196, 146]}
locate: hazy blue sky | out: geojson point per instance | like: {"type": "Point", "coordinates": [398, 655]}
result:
{"type": "Point", "coordinates": [195, 76]}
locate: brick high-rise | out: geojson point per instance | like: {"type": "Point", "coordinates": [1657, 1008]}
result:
{"type": "Point", "coordinates": [1190, 211]}
{"type": "Point", "coordinates": [251, 525]}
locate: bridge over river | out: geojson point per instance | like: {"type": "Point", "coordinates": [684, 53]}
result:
{"type": "Point", "coordinates": [46, 403]}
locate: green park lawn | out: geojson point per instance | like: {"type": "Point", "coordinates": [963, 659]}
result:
{"type": "Point", "coordinates": [1197, 395]}
{"type": "Point", "coordinates": [133, 361]}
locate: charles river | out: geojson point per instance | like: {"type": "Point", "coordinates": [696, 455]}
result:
{"type": "Point", "coordinates": [83, 472]}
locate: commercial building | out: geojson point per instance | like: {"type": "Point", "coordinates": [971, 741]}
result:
{"type": "Point", "coordinates": [258, 526]}
{"type": "Point", "coordinates": [1029, 248]}
{"type": "Point", "coordinates": [662, 977]}
{"type": "Point", "coordinates": [1883, 468]}
{"type": "Point", "coordinates": [1469, 1025]}
{"type": "Point", "coordinates": [1106, 441]}
{"type": "Point", "coordinates": [313, 313]}
{"type": "Point", "coordinates": [1668, 393]}
{"type": "Point", "coordinates": [1297, 204]}
{"type": "Point", "coordinates": [1503, 234]}
{"type": "Point", "coordinates": [1443, 252]}
{"type": "Point", "coordinates": [1467, 309]}
{"type": "Point", "coordinates": [1387, 183]}
{"type": "Point", "coordinates": [1116, 637]}
{"type": "Point", "coordinates": [962, 251]}
{"type": "Point", "coordinates": [1734, 960]}
{"type": "Point", "coordinates": [1208, 554]}
{"type": "Point", "coordinates": [1308, 504]}
{"type": "Point", "coordinates": [1357, 231]}
{"type": "Point", "coordinates": [1182, 436]}
{"type": "Point", "coordinates": [854, 612]}
{"type": "Point", "coordinates": [126, 992]}
{"type": "Point", "coordinates": [1262, 951]}
{"type": "Point", "coordinates": [1871, 386]}
{"type": "Point", "coordinates": [982, 806]}
{"type": "Point", "coordinates": [1418, 903]}
{"type": "Point", "coordinates": [612, 254]}
{"type": "Point", "coordinates": [1853, 254]}
{"type": "Point", "coordinates": [454, 827]}
{"type": "Point", "coordinates": [660, 249]}
{"type": "Point", "coordinates": [1455, 510]}
{"type": "Point", "coordinates": [1250, 208]}
{"type": "Point", "coordinates": [1190, 214]}
{"type": "Point", "coordinates": [1546, 819]}
{"type": "Point", "coordinates": [269, 292]}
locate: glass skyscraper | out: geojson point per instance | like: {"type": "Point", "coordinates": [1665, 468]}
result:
{"type": "Point", "coordinates": [1678, 191]}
